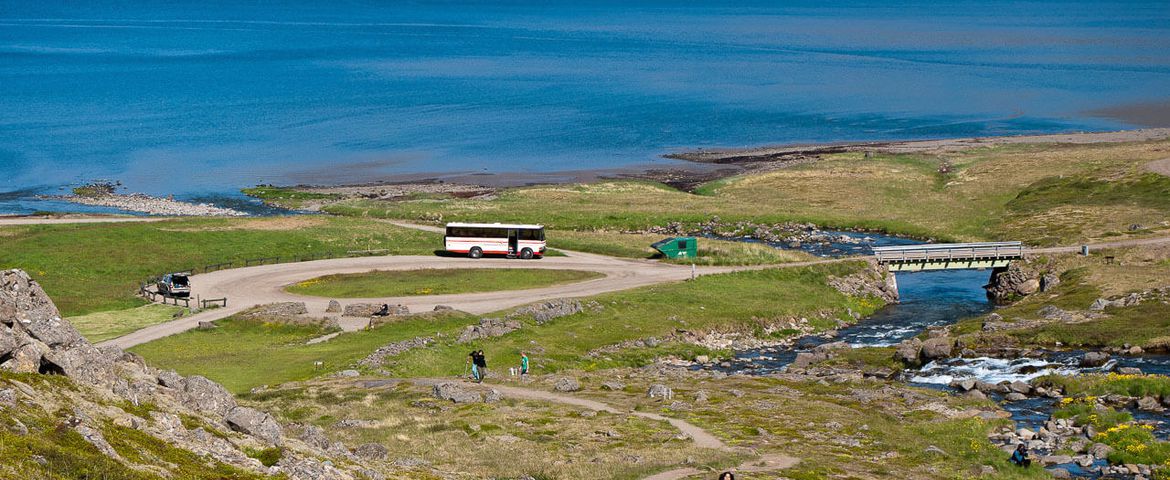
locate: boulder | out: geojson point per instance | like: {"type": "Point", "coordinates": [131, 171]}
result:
{"type": "Point", "coordinates": [1060, 474]}
{"type": "Point", "coordinates": [567, 384]}
{"type": "Point", "coordinates": [1100, 450]}
{"type": "Point", "coordinates": [26, 307]}
{"type": "Point", "coordinates": [361, 309]}
{"type": "Point", "coordinates": [493, 396]}
{"type": "Point", "coordinates": [371, 451]}
{"type": "Point", "coordinates": [701, 396]}
{"type": "Point", "coordinates": [975, 395]}
{"type": "Point", "coordinates": [964, 384]}
{"type": "Point", "coordinates": [659, 390]}
{"type": "Point", "coordinates": [7, 398]}
{"type": "Point", "coordinates": [487, 328]}
{"type": "Point", "coordinates": [26, 358]}
{"type": "Point", "coordinates": [1025, 434]}
{"type": "Point", "coordinates": [1056, 459]}
{"type": "Point", "coordinates": [1094, 359]}
{"type": "Point", "coordinates": [1048, 281]}
{"type": "Point", "coordinates": [1020, 387]}
{"type": "Point", "coordinates": [1129, 371]}
{"type": "Point", "coordinates": [1149, 404]}
{"type": "Point", "coordinates": [455, 393]}
{"type": "Point", "coordinates": [546, 311]}
{"type": "Point", "coordinates": [334, 307]}
{"type": "Point", "coordinates": [702, 359]}
{"type": "Point", "coordinates": [443, 308]}
{"type": "Point", "coordinates": [170, 379]}
{"type": "Point", "coordinates": [84, 363]}
{"type": "Point", "coordinates": [612, 385]}
{"type": "Point", "coordinates": [8, 341]}
{"type": "Point", "coordinates": [1028, 287]}
{"type": "Point", "coordinates": [279, 309]}
{"type": "Point", "coordinates": [909, 351]}
{"type": "Point", "coordinates": [206, 396]}
{"type": "Point", "coordinates": [806, 359]}
{"type": "Point", "coordinates": [936, 348]}
{"type": "Point", "coordinates": [255, 423]}
{"type": "Point", "coordinates": [1015, 397]}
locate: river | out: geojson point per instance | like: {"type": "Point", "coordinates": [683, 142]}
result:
{"type": "Point", "coordinates": [941, 298]}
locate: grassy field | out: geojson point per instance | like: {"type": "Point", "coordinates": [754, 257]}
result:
{"type": "Point", "coordinates": [432, 281]}
{"type": "Point", "coordinates": [102, 326]}
{"type": "Point", "coordinates": [1043, 194]}
{"type": "Point", "coordinates": [506, 439]}
{"type": "Point", "coordinates": [96, 267]}
{"type": "Point", "coordinates": [710, 251]}
{"type": "Point", "coordinates": [232, 353]}
{"type": "Point", "coordinates": [744, 301]}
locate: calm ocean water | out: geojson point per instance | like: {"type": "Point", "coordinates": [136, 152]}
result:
{"type": "Point", "coordinates": [205, 97]}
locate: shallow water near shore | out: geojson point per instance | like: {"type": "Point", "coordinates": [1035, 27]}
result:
{"type": "Point", "coordinates": [184, 97]}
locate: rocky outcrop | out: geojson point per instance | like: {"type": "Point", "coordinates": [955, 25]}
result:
{"type": "Point", "coordinates": [280, 309]}
{"type": "Point", "coordinates": [34, 339]}
{"type": "Point", "coordinates": [873, 281]}
{"type": "Point", "coordinates": [487, 328]}
{"type": "Point", "coordinates": [547, 311]}
{"type": "Point", "coordinates": [255, 423]}
{"type": "Point", "coordinates": [455, 393]}
{"type": "Point", "coordinates": [567, 384]}
{"type": "Point", "coordinates": [392, 349]}
{"type": "Point", "coordinates": [1019, 279]}
{"type": "Point", "coordinates": [369, 309]}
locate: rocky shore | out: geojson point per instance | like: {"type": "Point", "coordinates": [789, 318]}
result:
{"type": "Point", "coordinates": [143, 203]}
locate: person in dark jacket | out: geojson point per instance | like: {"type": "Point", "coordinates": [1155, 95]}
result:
{"type": "Point", "coordinates": [1020, 456]}
{"type": "Point", "coordinates": [726, 476]}
{"type": "Point", "coordinates": [480, 364]}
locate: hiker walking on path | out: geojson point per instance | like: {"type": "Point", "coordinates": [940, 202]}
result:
{"type": "Point", "coordinates": [480, 365]}
{"type": "Point", "coordinates": [474, 364]}
{"type": "Point", "coordinates": [523, 363]}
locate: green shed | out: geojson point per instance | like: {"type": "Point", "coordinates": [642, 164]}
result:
{"type": "Point", "coordinates": [677, 247]}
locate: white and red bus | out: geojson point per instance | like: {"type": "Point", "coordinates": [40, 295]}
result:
{"type": "Point", "coordinates": [479, 239]}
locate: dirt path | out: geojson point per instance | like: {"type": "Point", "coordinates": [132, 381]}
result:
{"type": "Point", "coordinates": [250, 286]}
{"type": "Point", "coordinates": [702, 438]}
{"type": "Point", "coordinates": [1160, 166]}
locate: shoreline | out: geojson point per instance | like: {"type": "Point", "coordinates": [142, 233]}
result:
{"type": "Point", "coordinates": [701, 166]}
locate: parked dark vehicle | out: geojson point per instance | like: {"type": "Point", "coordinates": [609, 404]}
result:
{"type": "Point", "coordinates": [175, 285]}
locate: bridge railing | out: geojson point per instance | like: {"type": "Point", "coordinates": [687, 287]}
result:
{"type": "Point", "coordinates": [949, 251]}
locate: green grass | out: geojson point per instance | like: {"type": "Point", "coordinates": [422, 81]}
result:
{"type": "Point", "coordinates": [286, 197]}
{"type": "Point", "coordinates": [1104, 384]}
{"type": "Point", "coordinates": [242, 354]}
{"type": "Point", "coordinates": [101, 326]}
{"type": "Point", "coordinates": [436, 282]}
{"type": "Point", "coordinates": [88, 268]}
{"type": "Point", "coordinates": [710, 252]}
{"type": "Point", "coordinates": [743, 301]}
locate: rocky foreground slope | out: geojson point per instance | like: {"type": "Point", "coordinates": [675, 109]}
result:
{"type": "Point", "coordinates": [68, 408]}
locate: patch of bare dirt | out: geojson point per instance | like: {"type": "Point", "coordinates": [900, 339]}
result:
{"type": "Point", "coordinates": [1160, 166]}
{"type": "Point", "coordinates": [263, 224]}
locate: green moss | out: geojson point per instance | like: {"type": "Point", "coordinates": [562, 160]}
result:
{"type": "Point", "coordinates": [267, 457]}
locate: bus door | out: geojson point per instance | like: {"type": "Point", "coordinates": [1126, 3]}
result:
{"type": "Point", "coordinates": [513, 241]}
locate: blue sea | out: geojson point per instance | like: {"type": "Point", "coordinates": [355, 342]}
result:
{"type": "Point", "coordinates": [203, 98]}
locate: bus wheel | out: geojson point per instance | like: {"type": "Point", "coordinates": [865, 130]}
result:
{"type": "Point", "coordinates": [475, 252]}
{"type": "Point", "coordinates": [526, 254]}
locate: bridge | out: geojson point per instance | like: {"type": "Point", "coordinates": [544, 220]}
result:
{"type": "Point", "coordinates": [949, 256]}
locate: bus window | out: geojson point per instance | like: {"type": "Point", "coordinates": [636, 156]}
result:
{"type": "Point", "coordinates": [532, 234]}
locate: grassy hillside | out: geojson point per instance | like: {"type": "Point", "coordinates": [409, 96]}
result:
{"type": "Point", "coordinates": [1039, 193]}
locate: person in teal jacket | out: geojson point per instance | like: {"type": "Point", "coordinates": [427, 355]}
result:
{"type": "Point", "coordinates": [523, 363]}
